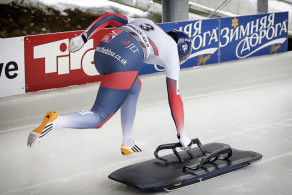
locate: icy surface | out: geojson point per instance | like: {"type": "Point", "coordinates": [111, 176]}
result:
{"type": "Point", "coordinates": [257, 117]}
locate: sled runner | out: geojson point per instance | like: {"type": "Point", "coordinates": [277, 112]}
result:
{"type": "Point", "coordinates": [183, 168]}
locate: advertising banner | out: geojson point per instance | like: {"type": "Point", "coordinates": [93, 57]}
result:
{"type": "Point", "coordinates": [205, 42]}
{"type": "Point", "coordinates": [233, 38]}
{"type": "Point", "coordinates": [255, 35]}
{"type": "Point", "coordinates": [49, 64]}
{"type": "Point", "coordinates": [11, 67]}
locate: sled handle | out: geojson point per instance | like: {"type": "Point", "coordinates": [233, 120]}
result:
{"type": "Point", "coordinates": [173, 146]}
{"type": "Point", "coordinates": [210, 158]}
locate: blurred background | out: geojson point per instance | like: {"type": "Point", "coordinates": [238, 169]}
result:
{"type": "Point", "coordinates": [30, 17]}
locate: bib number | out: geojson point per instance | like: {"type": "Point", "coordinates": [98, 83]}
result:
{"type": "Point", "coordinates": [147, 27]}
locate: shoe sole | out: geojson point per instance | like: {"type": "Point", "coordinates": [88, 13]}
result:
{"type": "Point", "coordinates": [45, 127]}
{"type": "Point", "coordinates": [33, 138]}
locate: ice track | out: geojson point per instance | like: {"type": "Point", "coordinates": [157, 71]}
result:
{"type": "Point", "coordinates": [246, 103]}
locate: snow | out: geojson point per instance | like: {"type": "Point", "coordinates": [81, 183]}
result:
{"type": "Point", "coordinates": [63, 4]}
{"type": "Point", "coordinates": [235, 7]}
{"type": "Point", "coordinates": [246, 103]}
{"type": "Point", "coordinates": [87, 3]}
{"type": "Point", "coordinates": [89, 6]}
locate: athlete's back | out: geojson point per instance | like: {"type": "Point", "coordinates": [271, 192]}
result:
{"type": "Point", "coordinates": [159, 47]}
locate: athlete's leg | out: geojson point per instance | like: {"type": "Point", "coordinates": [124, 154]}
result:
{"type": "Point", "coordinates": [115, 86]}
{"type": "Point", "coordinates": [128, 112]}
{"type": "Point", "coordinates": [78, 120]}
{"type": "Point", "coordinates": [120, 67]}
{"type": "Point", "coordinates": [110, 97]}
{"type": "Point", "coordinates": [112, 94]}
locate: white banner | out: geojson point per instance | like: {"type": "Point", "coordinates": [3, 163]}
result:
{"type": "Point", "coordinates": [12, 80]}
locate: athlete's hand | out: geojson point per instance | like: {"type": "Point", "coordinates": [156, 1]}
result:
{"type": "Point", "coordinates": [76, 44]}
{"type": "Point", "coordinates": [185, 142]}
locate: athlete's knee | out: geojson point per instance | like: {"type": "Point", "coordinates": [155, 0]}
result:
{"type": "Point", "coordinates": [139, 82]}
{"type": "Point", "coordinates": [136, 88]}
{"type": "Point", "coordinates": [103, 122]}
{"type": "Point", "coordinates": [103, 118]}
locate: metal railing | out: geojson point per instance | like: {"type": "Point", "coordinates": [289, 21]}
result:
{"type": "Point", "coordinates": [221, 6]}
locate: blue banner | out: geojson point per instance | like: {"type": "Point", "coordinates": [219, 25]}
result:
{"type": "Point", "coordinates": [204, 36]}
{"type": "Point", "coordinates": [232, 38]}
{"type": "Point", "coordinates": [256, 35]}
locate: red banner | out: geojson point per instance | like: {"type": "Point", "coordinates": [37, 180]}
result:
{"type": "Point", "coordinates": [49, 64]}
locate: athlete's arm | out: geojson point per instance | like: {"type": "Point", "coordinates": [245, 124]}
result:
{"type": "Point", "coordinates": [176, 104]}
{"type": "Point", "coordinates": [177, 111]}
{"type": "Point", "coordinates": [112, 19]}
{"type": "Point", "coordinates": [172, 69]}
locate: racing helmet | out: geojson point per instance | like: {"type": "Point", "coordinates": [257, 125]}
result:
{"type": "Point", "coordinates": [184, 44]}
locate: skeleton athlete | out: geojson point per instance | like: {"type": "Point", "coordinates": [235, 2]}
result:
{"type": "Point", "coordinates": [119, 57]}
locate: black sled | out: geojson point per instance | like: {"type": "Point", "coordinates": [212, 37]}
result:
{"type": "Point", "coordinates": [184, 168]}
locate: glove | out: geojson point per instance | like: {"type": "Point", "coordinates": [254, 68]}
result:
{"type": "Point", "coordinates": [77, 43]}
{"type": "Point", "coordinates": [185, 142]}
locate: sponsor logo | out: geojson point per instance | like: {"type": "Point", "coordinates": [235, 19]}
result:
{"type": "Point", "coordinates": [126, 42]}
{"type": "Point", "coordinates": [110, 36]}
{"type": "Point", "coordinates": [248, 35]}
{"type": "Point", "coordinates": [202, 60]}
{"type": "Point", "coordinates": [139, 33]}
{"type": "Point", "coordinates": [199, 38]}
{"type": "Point", "coordinates": [59, 60]}
{"type": "Point", "coordinates": [184, 47]}
{"type": "Point", "coordinates": [234, 22]}
{"type": "Point", "coordinates": [254, 35]}
{"type": "Point", "coordinates": [109, 52]}
{"type": "Point", "coordinates": [10, 70]}
{"type": "Point", "coordinates": [142, 36]}
{"type": "Point", "coordinates": [274, 48]}
{"type": "Point", "coordinates": [132, 46]}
